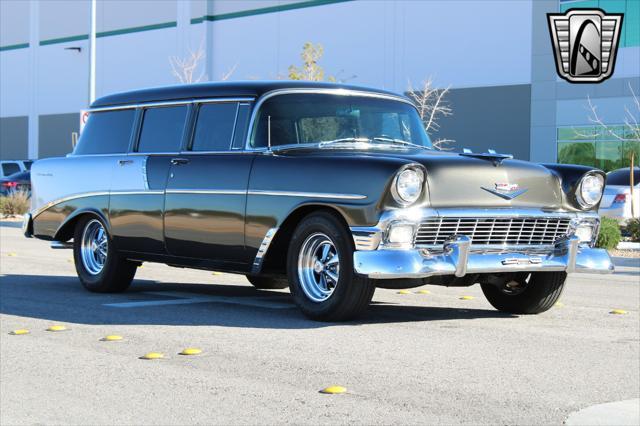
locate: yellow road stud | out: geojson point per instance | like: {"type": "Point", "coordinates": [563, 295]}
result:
{"type": "Point", "coordinates": [423, 292]}
{"type": "Point", "coordinates": [618, 312]}
{"type": "Point", "coordinates": [111, 338]}
{"type": "Point", "coordinates": [57, 328]}
{"type": "Point", "coordinates": [19, 332]}
{"type": "Point", "coordinates": [191, 351]}
{"type": "Point", "coordinates": [466, 298]}
{"type": "Point", "coordinates": [216, 273]}
{"type": "Point", "coordinates": [404, 292]}
{"type": "Point", "coordinates": [152, 355]}
{"type": "Point", "coordinates": [334, 390]}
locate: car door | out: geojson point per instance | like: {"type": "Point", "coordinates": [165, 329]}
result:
{"type": "Point", "coordinates": [207, 186]}
{"type": "Point", "coordinates": [139, 178]}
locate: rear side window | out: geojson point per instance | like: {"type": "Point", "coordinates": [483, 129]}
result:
{"type": "Point", "coordinates": [214, 127]}
{"type": "Point", "coordinates": [162, 129]}
{"type": "Point", "coordinates": [106, 132]}
{"type": "Point", "coordinates": [10, 168]}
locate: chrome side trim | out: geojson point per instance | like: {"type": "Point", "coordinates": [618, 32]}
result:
{"type": "Point", "coordinates": [264, 246]}
{"type": "Point", "coordinates": [206, 191]}
{"type": "Point", "coordinates": [329, 91]}
{"type": "Point", "coordinates": [50, 204]}
{"type": "Point", "coordinates": [57, 201]}
{"type": "Point", "coordinates": [306, 194]}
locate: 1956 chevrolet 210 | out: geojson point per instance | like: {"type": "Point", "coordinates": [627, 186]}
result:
{"type": "Point", "coordinates": [330, 190]}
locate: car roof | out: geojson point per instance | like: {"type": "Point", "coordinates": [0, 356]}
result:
{"type": "Point", "coordinates": [219, 89]}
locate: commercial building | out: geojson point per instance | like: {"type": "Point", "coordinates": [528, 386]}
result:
{"type": "Point", "coordinates": [495, 55]}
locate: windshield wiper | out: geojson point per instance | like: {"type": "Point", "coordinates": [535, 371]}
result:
{"type": "Point", "coordinates": [398, 141]}
{"type": "Point", "coordinates": [342, 140]}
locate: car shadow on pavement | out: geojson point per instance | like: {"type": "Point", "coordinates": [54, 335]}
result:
{"type": "Point", "coordinates": [62, 299]}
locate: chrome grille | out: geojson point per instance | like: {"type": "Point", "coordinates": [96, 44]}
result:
{"type": "Point", "coordinates": [493, 230]}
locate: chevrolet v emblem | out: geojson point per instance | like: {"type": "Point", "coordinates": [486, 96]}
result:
{"type": "Point", "coordinates": [508, 191]}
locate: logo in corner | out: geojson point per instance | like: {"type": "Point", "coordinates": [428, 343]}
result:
{"type": "Point", "coordinates": [508, 191]}
{"type": "Point", "coordinates": [585, 42]}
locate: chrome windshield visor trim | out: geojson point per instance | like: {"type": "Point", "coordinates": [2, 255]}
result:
{"type": "Point", "coordinates": [307, 194]}
{"type": "Point", "coordinates": [262, 250]}
{"type": "Point", "coordinates": [171, 103]}
{"type": "Point", "coordinates": [327, 91]}
{"type": "Point", "coordinates": [459, 261]}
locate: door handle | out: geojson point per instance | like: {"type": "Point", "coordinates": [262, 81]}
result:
{"type": "Point", "coordinates": [177, 161]}
{"type": "Point", "coordinates": [123, 162]}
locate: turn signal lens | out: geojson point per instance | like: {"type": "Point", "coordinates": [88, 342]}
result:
{"type": "Point", "coordinates": [400, 233]}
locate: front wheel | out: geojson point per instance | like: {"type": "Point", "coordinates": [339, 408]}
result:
{"type": "Point", "coordinates": [100, 267]}
{"type": "Point", "coordinates": [526, 293]}
{"type": "Point", "coordinates": [320, 270]}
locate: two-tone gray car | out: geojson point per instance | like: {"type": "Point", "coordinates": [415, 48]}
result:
{"type": "Point", "coordinates": [330, 190]}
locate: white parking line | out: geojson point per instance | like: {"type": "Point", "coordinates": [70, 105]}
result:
{"type": "Point", "coordinates": [182, 298]}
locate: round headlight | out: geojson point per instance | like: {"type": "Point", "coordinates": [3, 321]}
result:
{"type": "Point", "coordinates": [408, 186]}
{"type": "Point", "coordinates": [590, 190]}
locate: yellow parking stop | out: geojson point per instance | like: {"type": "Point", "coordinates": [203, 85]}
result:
{"type": "Point", "coordinates": [57, 328]}
{"type": "Point", "coordinates": [111, 338]}
{"type": "Point", "coordinates": [19, 332]}
{"type": "Point", "coordinates": [191, 351]}
{"type": "Point", "coordinates": [152, 355]}
{"type": "Point", "coordinates": [334, 390]}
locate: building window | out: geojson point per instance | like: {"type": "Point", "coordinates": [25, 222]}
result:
{"type": "Point", "coordinates": [630, 32]}
{"type": "Point", "coordinates": [598, 147]}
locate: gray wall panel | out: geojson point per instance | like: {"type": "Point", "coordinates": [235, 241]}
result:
{"type": "Point", "coordinates": [14, 138]}
{"type": "Point", "coordinates": [489, 118]}
{"type": "Point", "coordinates": [55, 134]}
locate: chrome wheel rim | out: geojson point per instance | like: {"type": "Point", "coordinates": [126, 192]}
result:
{"type": "Point", "coordinates": [93, 247]}
{"type": "Point", "coordinates": [318, 267]}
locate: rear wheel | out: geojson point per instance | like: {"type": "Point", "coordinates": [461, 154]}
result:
{"type": "Point", "coordinates": [526, 293]}
{"type": "Point", "coordinates": [100, 268]}
{"type": "Point", "coordinates": [267, 283]}
{"type": "Point", "coordinates": [320, 270]}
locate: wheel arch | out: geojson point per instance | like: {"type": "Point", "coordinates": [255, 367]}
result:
{"type": "Point", "coordinates": [275, 258]}
{"type": "Point", "coordinates": [66, 230]}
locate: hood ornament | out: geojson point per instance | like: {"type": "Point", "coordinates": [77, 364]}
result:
{"type": "Point", "coordinates": [490, 155]}
{"type": "Point", "coordinates": [508, 191]}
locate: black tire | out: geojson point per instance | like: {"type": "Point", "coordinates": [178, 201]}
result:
{"type": "Point", "coordinates": [116, 274]}
{"type": "Point", "coordinates": [542, 291]}
{"type": "Point", "coordinates": [351, 294]}
{"type": "Point", "coordinates": [267, 283]}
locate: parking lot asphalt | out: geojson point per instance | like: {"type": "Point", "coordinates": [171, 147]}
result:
{"type": "Point", "coordinates": [413, 358]}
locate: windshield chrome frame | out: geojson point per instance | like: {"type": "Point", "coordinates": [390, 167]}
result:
{"type": "Point", "coordinates": [328, 91]}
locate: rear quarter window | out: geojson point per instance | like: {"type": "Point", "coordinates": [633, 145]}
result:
{"type": "Point", "coordinates": [162, 129]}
{"type": "Point", "coordinates": [107, 132]}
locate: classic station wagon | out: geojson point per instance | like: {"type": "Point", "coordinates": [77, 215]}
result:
{"type": "Point", "coordinates": [330, 190]}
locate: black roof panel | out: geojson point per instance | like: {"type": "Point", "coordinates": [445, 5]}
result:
{"type": "Point", "coordinates": [220, 89]}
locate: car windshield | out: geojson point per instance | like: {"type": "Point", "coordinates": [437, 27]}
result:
{"type": "Point", "coordinates": [623, 177]}
{"type": "Point", "coordinates": [332, 120]}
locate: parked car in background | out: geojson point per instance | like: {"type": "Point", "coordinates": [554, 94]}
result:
{"type": "Point", "coordinates": [9, 167]}
{"type": "Point", "coordinates": [617, 199]}
{"type": "Point", "coordinates": [20, 181]}
{"type": "Point", "coordinates": [330, 190]}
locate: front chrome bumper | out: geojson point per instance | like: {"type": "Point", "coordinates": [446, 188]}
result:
{"type": "Point", "coordinates": [458, 259]}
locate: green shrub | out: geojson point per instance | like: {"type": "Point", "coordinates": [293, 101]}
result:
{"type": "Point", "coordinates": [633, 228]}
{"type": "Point", "coordinates": [16, 203]}
{"type": "Point", "coordinates": [609, 235]}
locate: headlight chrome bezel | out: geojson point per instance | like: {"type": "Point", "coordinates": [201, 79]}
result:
{"type": "Point", "coordinates": [580, 198]}
{"type": "Point", "coordinates": [399, 195]}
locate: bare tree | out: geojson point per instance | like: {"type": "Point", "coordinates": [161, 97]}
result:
{"type": "Point", "coordinates": [189, 69]}
{"type": "Point", "coordinates": [227, 75]}
{"type": "Point", "coordinates": [432, 106]}
{"type": "Point", "coordinates": [630, 133]}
